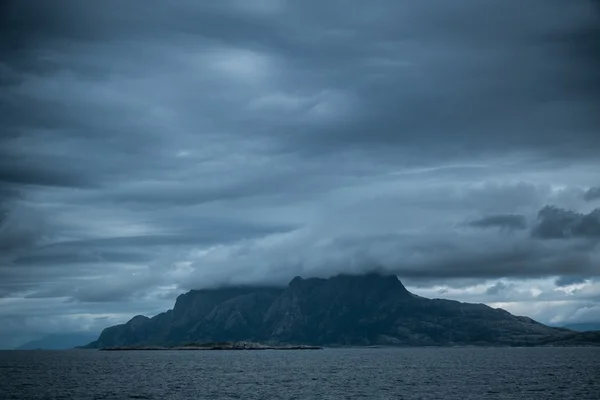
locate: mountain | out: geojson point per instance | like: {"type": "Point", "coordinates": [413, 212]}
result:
{"type": "Point", "coordinates": [584, 326]}
{"type": "Point", "coordinates": [59, 341]}
{"type": "Point", "coordinates": [343, 310]}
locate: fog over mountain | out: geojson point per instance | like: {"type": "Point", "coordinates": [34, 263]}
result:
{"type": "Point", "coordinates": [148, 148]}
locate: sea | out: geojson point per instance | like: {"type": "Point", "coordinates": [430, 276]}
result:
{"type": "Point", "coordinates": [349, 373]}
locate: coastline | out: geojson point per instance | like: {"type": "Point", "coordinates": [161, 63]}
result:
{"type": "Point", "coordinates": [213, 346]}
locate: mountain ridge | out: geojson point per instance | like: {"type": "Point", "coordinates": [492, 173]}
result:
{"type": "Point", "coordinates": [58, 341]}
{"type": "Point", "coordinates": [371, 309]}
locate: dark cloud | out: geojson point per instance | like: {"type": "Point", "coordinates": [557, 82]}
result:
{"type": "Point", "coordinates": [557, 223]}
{"type": "Point", "coordinates": [17, 172]}
{"type": "Point", "coordinates": [501, 84]}
{"type": "Point", "coordinates": [569, 280]}
{"type": "Point", "coordinates": [509, 222]}
{"type": "Point", "coordinates": [592, 194]}
{"type": "Point", "coordinates": [151, 147]}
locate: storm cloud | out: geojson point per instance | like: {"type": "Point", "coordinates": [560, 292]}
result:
{"type": "Point", "coordinates": [557, 223]}
{"type": "Point", "coordinates": [149, 147]}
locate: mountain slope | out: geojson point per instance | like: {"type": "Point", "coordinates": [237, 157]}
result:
{"type": "Point", "coordinates": [196, 314]}
{"type": "Point", "coordinates": [343, 310]}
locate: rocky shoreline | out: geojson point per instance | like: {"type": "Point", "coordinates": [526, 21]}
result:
{"type": "Point", "coordinates": [215, 346]}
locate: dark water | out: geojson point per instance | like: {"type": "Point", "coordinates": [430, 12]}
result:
{"type": "Point", "coordinates": [420, 373]}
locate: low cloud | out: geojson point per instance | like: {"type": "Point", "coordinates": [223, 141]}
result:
{"type": "Point", "coordinates": [507, 222]}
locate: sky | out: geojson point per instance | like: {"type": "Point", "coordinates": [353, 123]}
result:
{"type": "Point", "coordinates": [149, 147]}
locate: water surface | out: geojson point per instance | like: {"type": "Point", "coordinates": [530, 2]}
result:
{"type": "Point", "coordinates": [416, 373]}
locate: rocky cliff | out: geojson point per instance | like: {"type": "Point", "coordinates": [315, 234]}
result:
{"type": "Point", "coordinates": [343, 310]}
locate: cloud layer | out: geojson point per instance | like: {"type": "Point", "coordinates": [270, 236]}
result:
{"type": "Point", "coordinates": [148, 148]}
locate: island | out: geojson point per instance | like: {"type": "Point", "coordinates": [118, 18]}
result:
{"type": "Point", "coordinates": [344, 310]}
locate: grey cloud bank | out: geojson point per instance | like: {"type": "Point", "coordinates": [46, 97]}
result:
{"type": "Point", "coordinates": [149, 148]}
